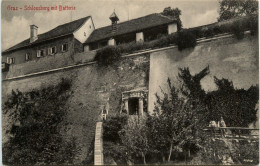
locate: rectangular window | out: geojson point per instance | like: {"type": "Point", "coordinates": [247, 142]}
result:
{"type": "Point", "coordinates": [64, 47]}
{"type": "Point", "coordinates": [52, 50]}
{"type": "Point", "coordinates": [27, 57]}
{"type": "Point", "coordinates": [10, 60]}
{"type": "Point", "coordinates": [40, 53]}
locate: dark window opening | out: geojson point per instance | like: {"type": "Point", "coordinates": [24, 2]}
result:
{"type": "Point", "coordinates": [155, 33]}
{"type": "Point", "coordinates": [125, 38]}
{"type": "Point", "coordinates": [133, 106]}
{"type": "Point", "coordinates": [93, 46]}
{"type": "Point", "coordinates": [64, 47]}
{"type": "Point", "coordinates": [27, 57]}
{"type": "Point", "coordinates": [52, 50]}
{"type": "Point", "coordinates": [102, 44]}
{"type": "Point", "coordinates": [40, 53]}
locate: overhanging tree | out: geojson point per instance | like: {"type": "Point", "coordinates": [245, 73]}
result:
{"type": "Point", "coordinates": [233, 8]}
{"type": "Point", "coordinates": [175, 13]}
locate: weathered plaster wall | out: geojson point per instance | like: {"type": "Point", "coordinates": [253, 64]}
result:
{"type": "Point", "coordinates": [19, 55]}
{"type": "Point", "coordinates": [47, 63]}
{"type": "Point", "coordinates": [84, 31]}
{"type": "Point", "coordinates": [92, 88]}
{"type": "Point", "coordinates": [236, 60]}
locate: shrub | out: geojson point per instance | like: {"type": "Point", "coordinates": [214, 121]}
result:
{"type": "Point", "coordinates": [238, 29]}
{"type": "Point", "coordinates": [112, 126]}
{"type": "Point", "coordinates": [107, 55]}
{"type": "Point", "coordinates": [225, 29]}
{"type": "Point", "coordinates": [64, 85]}
{"type": "Point", "coordinates": [186, 39]}
{"type": "Point", "coordinates": [217, 30]}
{"type": "Point", "coordinates": [253, 24]}
{"type": "Point", "coordinates": [163, 41]}
{"type": "Point", "coordinates": [197, 32]}
{"type": "Point", "coordinates": [113, 146]}
{"type": "Point", "coordinates": [117, 152]}
{"type": "Point", "coordinates": [209, 32]}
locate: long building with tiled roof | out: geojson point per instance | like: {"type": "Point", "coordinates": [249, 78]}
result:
{"type": "Point", "coordinates": [145, 28]}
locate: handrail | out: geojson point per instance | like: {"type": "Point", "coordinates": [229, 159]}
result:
{"type": "Point", "coordinates": [217, 132]}
{"type": "Point", "coordinates": [236, 128]}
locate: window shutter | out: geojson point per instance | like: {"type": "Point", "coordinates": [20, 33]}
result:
{"type": "Point", "coordinates": [27, 56]}
{"type": "Point", "coordinates": [13, 60]}
{"type": "Point", "coordinates": [7, 60]}
{"type": "Point", "coordinates": [55, 50]}
{"type": "Point", "coordinates": [38, 54]}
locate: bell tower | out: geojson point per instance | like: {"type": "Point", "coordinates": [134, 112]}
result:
{"type": "Point", "coordinates": [114, 20]}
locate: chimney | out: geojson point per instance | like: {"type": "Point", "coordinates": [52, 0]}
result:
{"type": "Point", "coordinates": [114, 20]}
{"type": "Point", "coordinates": [33, 33]}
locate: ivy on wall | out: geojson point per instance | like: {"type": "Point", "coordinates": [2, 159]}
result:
{"type": "Point", "coordinates": [35, 131]}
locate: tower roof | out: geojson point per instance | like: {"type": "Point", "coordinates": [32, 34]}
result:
{"type": "Point", "coordinates": [114, 17]}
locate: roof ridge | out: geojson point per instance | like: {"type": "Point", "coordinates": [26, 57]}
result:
{"type": "Point", "coordinates": [129, 20]}
{"type": "Point", "coordinates": [65, 24]}
{"type": "Point", "coordinates": [73, 21]}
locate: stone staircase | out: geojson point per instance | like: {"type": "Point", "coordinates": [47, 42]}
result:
{"type": "Point", "coordinates": [98, 151]}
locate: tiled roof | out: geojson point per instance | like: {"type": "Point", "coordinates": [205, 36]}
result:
{"type": "Point", "coordinates": [61, 30]}
{"type": "Point", "coordinates": [134, 25]}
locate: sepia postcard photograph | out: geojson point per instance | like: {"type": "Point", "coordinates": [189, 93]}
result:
{"type": "Point", "coordinates": [130, 82]}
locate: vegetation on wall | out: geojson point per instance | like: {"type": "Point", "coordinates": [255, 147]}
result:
{"type": "Point", "coordinates": [185, 38]}
{"type": "Point", "coordinates": [236, 106]}
{"type": "Point", "coordinates": [107, 55]}
{"type": "Point", "coordinates": [35, 132]}
{"type": "Point", "coordinates": [176, 126]}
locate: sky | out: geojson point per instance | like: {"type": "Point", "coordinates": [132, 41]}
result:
{"type": "Point", "coordinates": [15, 23]}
